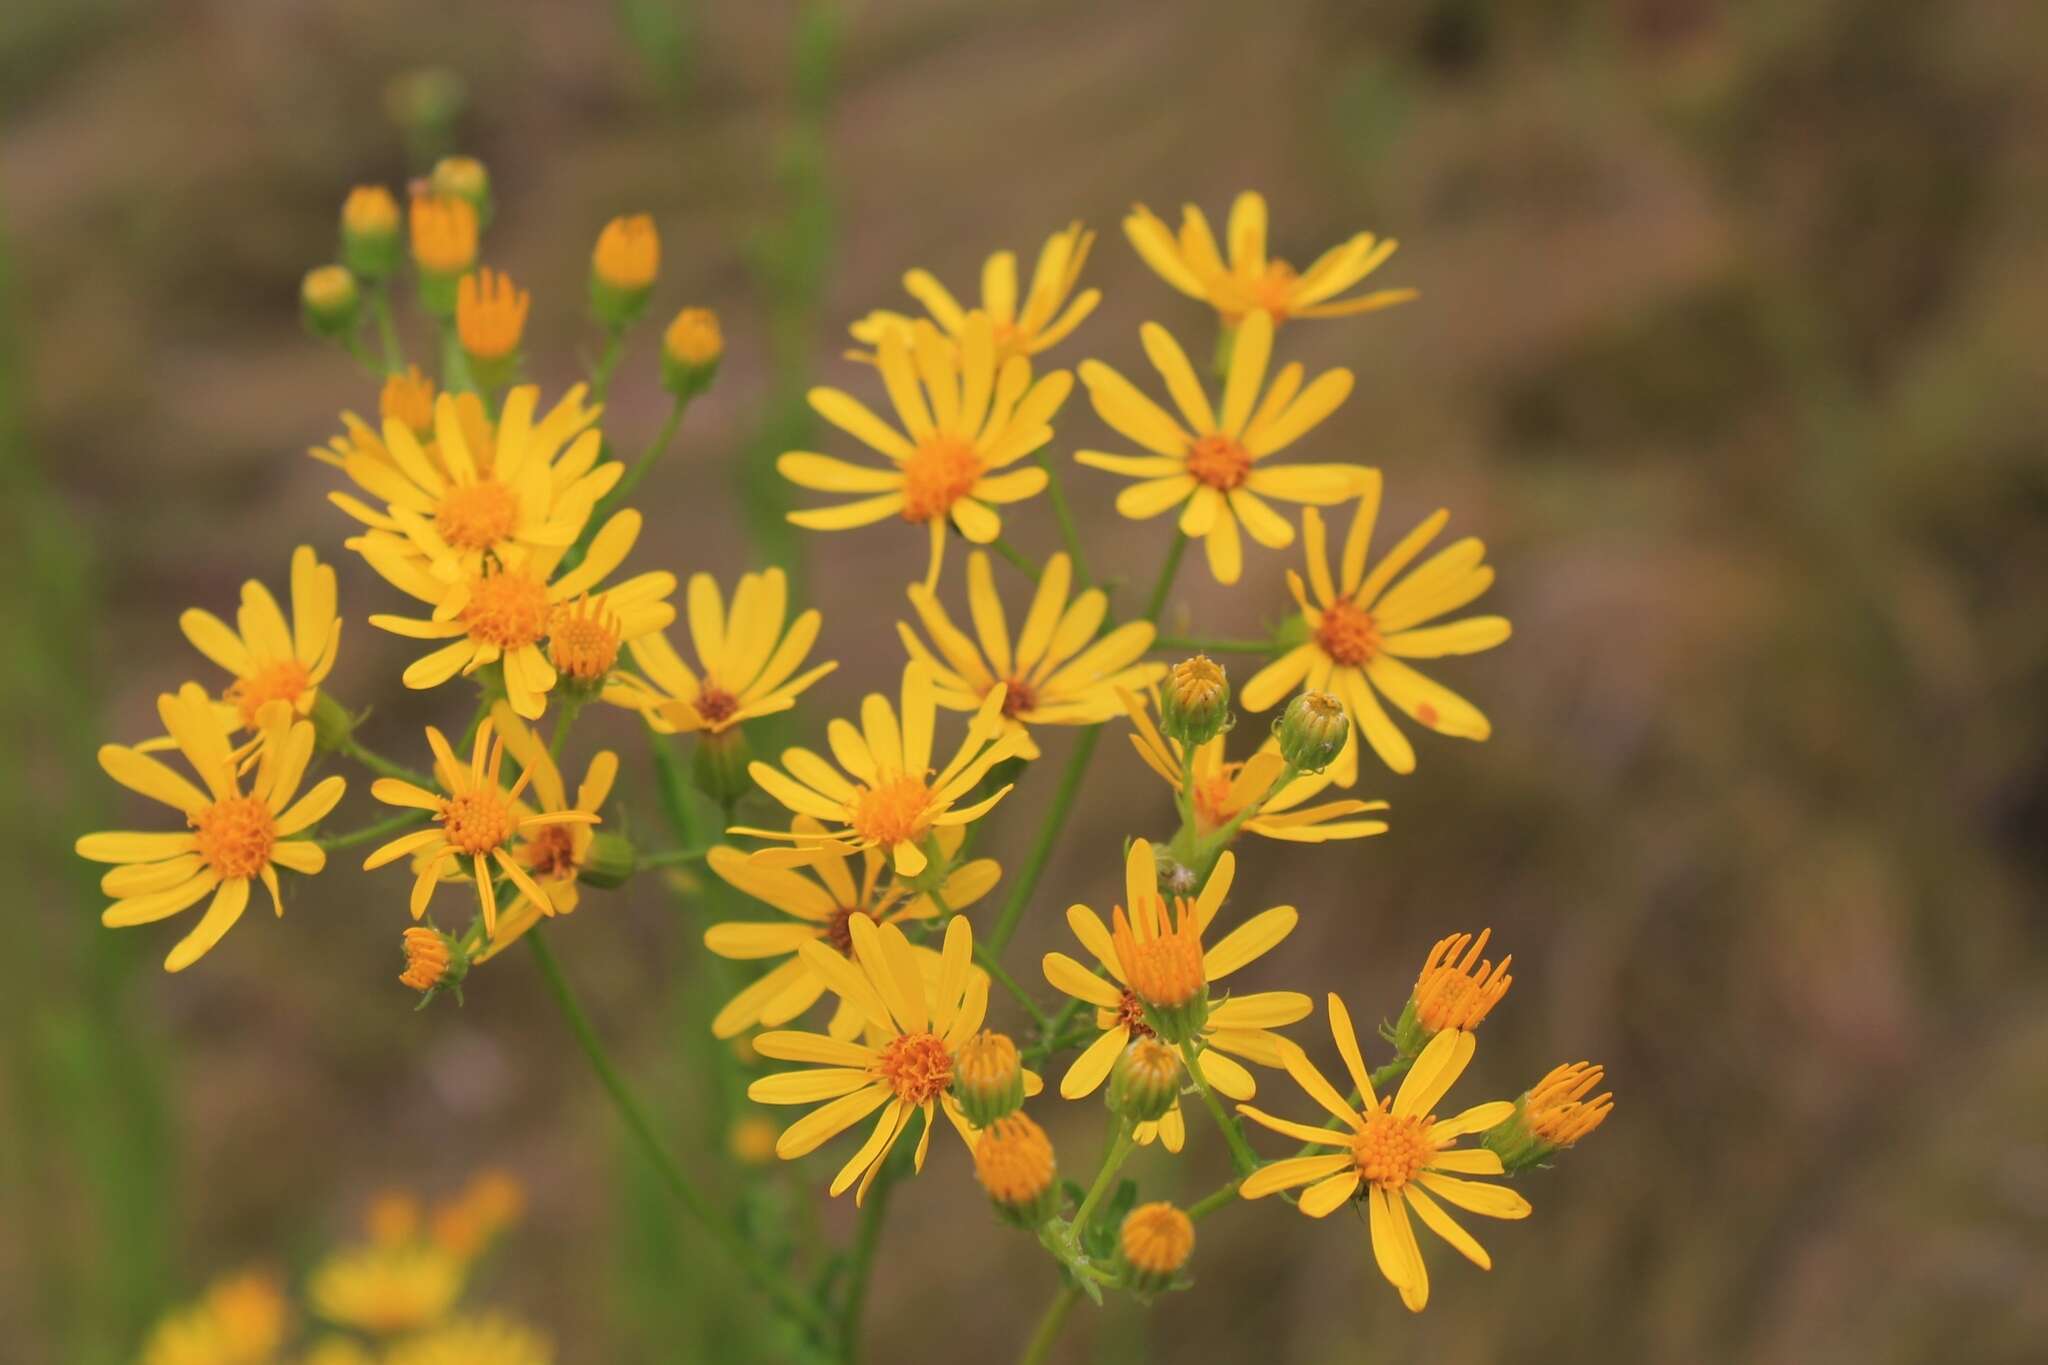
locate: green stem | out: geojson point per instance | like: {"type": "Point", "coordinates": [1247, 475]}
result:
{"type": "Point", "coordinates": [1212, 1201]}
{"type": "Point", "coordinates": [668, 857]}
{"type": "Point", "coordinates": [1195, 645]}
{"type": "Point", "coordinates": [380, 765]}
{"type": "Point", "coordinates": [1049, 1324]}
{"type": "Point", "coordinates": [1241, 1153]}
{"type": "Point", "coordinates": [387, 331]}
{"type": "Point", "coordinates": [1167, 571]}
{"type": "Point", "coordinates": [455, 375]}
{"type": "Point", "coordinates": [565, 716]}
{"type": "Point", "coordinates": [1112, 1162]}
{"type": "Point", "coordinates": [1009, 983]}
{"type": "Point", "coordinates": [646, 461]}
{"type": "Point", "coordinates": [1070, 532]}
{"type": "Point", "coordinates": [607, 362]}
{"type": "Point", "coordinates": [1016, 558]}
{"type": "Point", "coordinates": [866, 1238]}
{"type": "Point", "coordinates": [396, 824]}
{"type": "Point", "coordinates": [786, 1295]}
{"type": "Point", "coordinates": [1048, 839]}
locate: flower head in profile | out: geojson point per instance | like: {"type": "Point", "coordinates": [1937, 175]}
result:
{"type": "Point", "coordinates": [1055, 673]}
{"type": "Point", "coordinates": [271, 658]}
{"type": "Point", "coordinates": [1049, 311]}
{"type": "Point", "coordinates": [887, 795]}
{"type": "Point", "coordinates": [553, 855]}
{"type": "Point", "coordinates": [966, 416]}
{"type": "Point", "coordinates": [231, 838]}
{"type": "Point", "coordinates": [840, 887]}
{"type": "Point", "coordinates": [1400, 1157]}
{"type": "Point", "coordinates": [479, 827]}
{"type": "Point", "coordinates": [913, 1026]}
{"type": "Point", "coordinates": [746, 661]}
{"type": "Point", "coordinates": [502, 612]}
{"type": "Point", "coordinates": [1224, 788]}
{"type": "Point", "coordinates": [1363, 625]}
{"type": "Point", "coordinates": [1155, 957]}
{"type": "Point", "coordinates": [1249, 280]}
{"type": "Point", "coordinates": [1209, 462]}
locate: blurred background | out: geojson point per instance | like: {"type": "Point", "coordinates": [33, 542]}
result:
{"type": "Point", "coordinates": [1728, 344]}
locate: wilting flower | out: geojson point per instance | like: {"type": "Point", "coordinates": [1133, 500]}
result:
{"type": "Point", "coordinates": [232, 838]}
{"type": "Point", "coordinates": [1251, 281]}
{"type": "Point", "coordinates": [1210, 468]}
{"type": "Point", "coordinates": [1156, 958]}
{"type": "Point", "coordinates": [1362, 625]}
{"type": "Point", "coordinates": [1057, 673]}
{"type": "Point", "coordinates": [272, 659]}
{"type": "Point", "coordinates": [886, 797]}
{"type": "Point", "coordinates": [965, 417]}
{"type": "Point", "coordinates": [821, 907]}
{"type": "Point", "coordinates": [1042, 322]}
{"type": "Point", "coordinates": [1224, 788]}
{"type": "Point", "coordinates": [1401, 1155]}
{"type": "Point", "coordinates": [748, 663]}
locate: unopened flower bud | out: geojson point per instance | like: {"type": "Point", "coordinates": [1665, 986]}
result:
{"type": "Point", "coordinates": [609, 862]}
{"type": "Point", "coordinates": [1194, 701]}
{"type": "Point", "coordinates": [988, 1078]}
{"type": "Point", "coordinates": [490, 318]}
{"type": "Point", "coordinates": [1145, 1081]}
{"type": "Point", "coordinates": [690, 352]}
{"type": "Point", "coordinates": [1551, 1116]}
{"type": "Point", "coordinates": [1014, 1163]}
{"type": "Point", "coordinates": [329, 300]}
{"type": "Point", "coordinates": [444, 235]}
{"type": "Point", "coordinates": [1312, 731]}
{"type": "Point", "coordinates": [369, 232]}
{"type": "Point", "coordinates": [332, 724]}
{"type": "Point", "coordinates": [622, 270]}
{"type": "Point", "coordinates": [409, 398]}
{"type": "Point", "coordinates": [1155, 1243]}
{"type": "Point", "coordinates": [1456, 988]}
{"type": "Point", "coordinates": [433, 961]}
{"type": "Point", "coordinates": [465, 178]}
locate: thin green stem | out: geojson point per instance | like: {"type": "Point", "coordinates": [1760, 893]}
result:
{"type": "Point", "coordinates": [565, 716]}
{"type": "Point", "coordinates": [1049, 1324]}
{"type": "Point", "coordinates": [1003, 978]}
{"type": "Point", "coordinates": [396, 824]}
{"type": "Point", "coordinates": [866, 1238]}
{"type": "Point", "coordinates": [1196, 645]}
{"type": "Point", "coordinates": [1112, 1161]}
{"type": "Point", "coordinates": [387, 330]}
{"type": "Point", "coordinates": [1070, 531]}
{"type": "Point", "coordinates": [647, 460]}
{"type": "Point", "coordinates": [668, 857]}
{"type": "Point", "coordinates": [786, 1295]}
{"type": "Point", "coordinates": [1241, 1153]}
{"type": "Point", "coordinates": [380, 765]}
{"type": "Point", "coordinates": [1164, 584]}
{"type": "Point", "coordinates": [607, 363]}
{"type": "Point", "coordinates": [1016, 559]}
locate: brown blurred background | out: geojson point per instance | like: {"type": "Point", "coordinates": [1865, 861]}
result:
{"type": "Point", "coordinates": [1728, 344]}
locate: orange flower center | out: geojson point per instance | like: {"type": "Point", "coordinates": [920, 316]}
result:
{"type": "Point", "coordinates": [583, 639]}
{"type": "Point", "coordinates": [507, 608]}
{"type": "Point", "coordinates": [1274, 290]}
{"type": "Point", "coordinates": [1391, 1150]}
{"type": "Point", "coordinates": [476, 516]}
{"type": "Point", "coordinates": [551, 852]}
{"type": "Point", "coordinates": [477, 821]}
{"type": "Point", "coordinates": [235, 836]}
{"type": "Point", "coordinates": [283, 681]}
{"type": "Point", "coordinates": [1020, 697]}
{"type": "Point", "coordinates": [938, 474]}
{"type": "Point", "coordinates": [916, 1066]}
{"type": "Point", "coordinates": [1164, 969]}
{"type": "Point", "coordinates": [1220, 462]}
{"type": "Point", "coordinates": [1348, 634]}
{"type": "Point", "coordinates": [1130, 1012]}
{"type": "Point", "coordinates": [1010, 339]}
{"type": "Point", "coordinates": [716, 704]}
{"type": "Point", "coordinates": [891, 812]}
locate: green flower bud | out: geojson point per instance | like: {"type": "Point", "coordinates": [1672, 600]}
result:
{"type": "Point", "coordinates": [369, 232]}
{"type": "Point", "coordinates": [464, 177]}
{"type": "Point", "coordinates": [1145, 1081]}
{"type": "Point", "coordinates": [332, 723]}
{"type": "Point", "coordinates": [1154, 1245]}
{"type": "Point", "coordinates": [1312, 731]}
{"type": "Point", "coordinates": [720, 765]}
{"type": "Point", "coordinates": [988, 1078]}
{"type": "Point", "coordinates": [1014, 1163]}
{"type": "Point", "coordinates": [1194, 701]}
{"type": "Point", "coordinates": [329, 301]}
{"type": "Point", "coordinates": [690, 351]}
{"type": "Point", "coordinates": [609, 862]}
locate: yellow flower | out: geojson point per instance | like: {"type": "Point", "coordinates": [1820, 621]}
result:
{"type": "Point", "coordinates": [891, 800]}
{"type": "Point", "coordinates": [477, 819]}
{"type": "Point", "coordinates": [475, 1341]}
{"type": "Point", "coordinates": [476, 489]}
{"type": "Point", "coordinates": [1210, 468]}
{"type": "Point", "coordinates": [1401, 1155]}
{"type": "Point", "coordinates": [965, 416]}
{"type": "Point", "coordinates": [490, 314]}
{"type": "Point", "coordinates": [504, 610]}
{"type": "Point", "coordinates": [1192, 264]}
{"type": "Point", "coordinates": [1224, 788]}
{"type": "Point", "coordinates": [369, 211]}
{"type": "Point", "coordinates": [272, 659]}
{"type": "Point", "coordinates": [409, 397]}
{"type": "Point", "coordinates": [628, 253]}
{"type": "Point", "coordinates": [1458, 992]}
{"type": "Point", "coordinates": [491, 1202]}
{"type": "Point", "coordinates": [406, 398]}
{"type": "Point", "coordinates": [1362, 625]}
{"type": "Point", "coordinates": [239, 1321]}
{"type": "Point", "coordinates": [553, 855]}
{"type": "Point", "coordinates": [694, 340]}
{"type": "Point", "coordinates": [913, 1026]}
{"type": "Point", "coordinates": [1057, 674]}
{"type": "Point", "coordinates": [749, 665]}
{"type": "Point", "coordinates": [386, 1290]}
{"type": "Point", "coordinates": [821, 910]}
{"type": "Point", "coordinates": [233, 837]}
{"type": "Point", "coordinates": [1557, 1110]}
{"type": "Point", "coordinates": [1241, 1025]}
{"type": "Point", "coordinates": [1038, 326]}
{"type": "Point", "coordinates": [443, 233]}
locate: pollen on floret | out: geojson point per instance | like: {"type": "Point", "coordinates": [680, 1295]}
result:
{"type": "Point", "coordinates": [1014, 1161]}
{"type": "Point", "coordinates": [891, 812]}
{"type": "Point", "coordinates": [1557, 1110]}
{"type": "Point", "coordinates": [917, 1066]}
{"type": "Point", "coordinates": [476, 516]}
{"type": "Point", "coordinates": [1219, 461]}
{"type": "Point", "coordinates": [426, 958]}
{"type": "Point", "coordinates": [1458, 992]}
{"type": "Point", "coordinates": [583, 639]}
{"type": "Point", "coordinates": [1348, 634]}
{"type": "Point", "coordinates": [508, 608]}
{"type": "Point", "coordinates": [408, 398]}
{"type": "Point", "coordinates": [285, 680]}
{"type": "Point", "coordinates": [1157, 1239]}
{"type": "Point", "coordinates": [1391, 1149]}
{"type": "Point", "coordinates": [235, 836]}
{"type": "Point", "coordinates": [939, 473]}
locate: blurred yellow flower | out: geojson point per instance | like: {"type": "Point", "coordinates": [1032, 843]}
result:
{"type": "Point", "coordinates": [239, 1321]}
{"type": "Point", "coordinates": [467, 1224]}
{"type": "Point", "coordinates": [443, 233]}
{"type": "Point", "coordinates": [490, 314]}
{"type": "Point", "coordinates": [1045, 318]}
{"type": "Point", "coordinates": [272, 659]}
{"type": "Point", "coordinates": [1058, 672]}
{"type": "Point", "coordinates": [474, 1341]}
{"type": "Point", "coordinates": [965, 416]}
{"type": "Point", "coordinates": [232, 838]}
{"type": "Point", "coordinates": [1363, 624]}
{"type": "Point", "coordinates": [386, 1290]}
{"type": "Point", "coordinates": [628, 253]}
{"type": "Point", "coordinates": [1210, 468]}
{"type": "Point", "coordinates": [1251, 280]}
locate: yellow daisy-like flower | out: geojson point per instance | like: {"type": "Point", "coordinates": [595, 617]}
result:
{"type": "Point", "coordinates": [748, 663]}
{"type": "Point", "coordinates": [914, 1026]}
{"type": "Point", "coordinates": [1058, 673]}
{"type": "Point", "coordinates": [240, 1321]}
{"type": "Point", "coordinates": [272, 659]}
{"type": "Point", "coordinates": [1225, 787]}
{"type": "Point", "coordinates": [1240, 1026]}
{"type": "Point", "coordinates": [1045, 318]}
{"type": "Point", "coordinates": [1251, 280]}
{"type": "Point", "coordinates": [523, 486]}
{"type": "Point", "coordinates": [821, 908]}
{"type": "Point", "coordinates": [233, 838]}
{"type": "Point", "coordinates": [475, 819]}
{"type": "Point", "coordinates": [475, 1341]}
{"type": "Point", "coordinates": [1401, 1155]}
{"type": "Point", "coordinates": [966, 417]}
{"type": "Point", "coordinates": [1210, 467]}
{"type": "Point", "coordinates": [504, 610]}
{"type": "Point", "coordinates": [408, 399]}
{"type": "Point", "coordinates": [387, 1289]}
{"type": "Point", "coordinates": [1362, 625]}
{"type": "Point", "coordinates": [886, 797]}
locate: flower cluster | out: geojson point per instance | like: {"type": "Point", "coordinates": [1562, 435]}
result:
{"type": "Point", "coordinates": [844, 875]}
